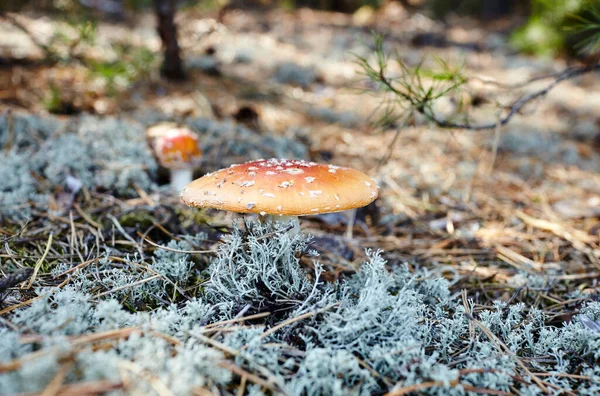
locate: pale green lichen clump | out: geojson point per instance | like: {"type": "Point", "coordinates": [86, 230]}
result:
{"type": "Point", "coordinates": [18, 189]}
{"type": "Point", "coordinates": [37, 154]}
{"type": "Point", "coordinates": [369, 333]}
{"type": "Point", "coordinates": [102, 153]}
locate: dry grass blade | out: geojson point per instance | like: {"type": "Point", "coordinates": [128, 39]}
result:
{"type": "Point", "coordinates": [504, 349]}
{"type": "Point", "coordinates": [431, 384]}
{"type": "Point", "coordinates": [240, 319]}
{"type": "Point", "coordinates": [518, 261]}
{"type": "Point", "coordinates": [156, 245]}
{"type": "Point", "coordinates": [116, 289]}
{"type": "Point", "coordinates": [77, 341]}
{"type": "Point", "coordinates": [19, 305]}
{"type": "Point", "coordinates": [574, 236]}
{"type": "Point", "coordinates": [87, 218]}
{"type": "Point", "coordinates": [84, 339]}
{"type": "Point", "coordinates": [272, 379]}
{"type": "Point", "coordinates": [126, 235]}
{"type": "Point", "coordinates": [78, 267]}
{"type": "Point", "coordinates": [54, 386]}
{"type": "Point", "coordinates": [249, 376]}
{"type": "Point", "coordinates": [159, 387]}
{"type": "Point", "coordinates": [40, 261]}
{"type": "Point", "coordinates": [87, 388]}
{"type": "Point", "coordinates": [297, 319]}
{"type": "Point", "coordinates": [200, 391]}
{"type": "Point", "coordinates": [242, 387]}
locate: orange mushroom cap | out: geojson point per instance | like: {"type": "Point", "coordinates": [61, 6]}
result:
{"type": "Point", "coordinates": [282, 187]}
{"type": "Point", "coordinates": [178, 148]}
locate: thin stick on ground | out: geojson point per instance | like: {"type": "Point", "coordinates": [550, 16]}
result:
{"type": "Point", "coordinates": [78, 341]}
{"type": "Point", "coordinates": [272, 379]}
{"type": "Point", "coordinates": [236, 320]}
{"type": "Point", "coordinates": [58, 380]}
{"type": "Point", "coordinates": [89, 388]}
{"type": "Point", "coordinates": [155, 382]}
{"type": "Point", "coordinates": [248, 376]}
{"type": "Point", "coordinates": [505, 349]}
{"type": "Point", "coordinates": [431, 384]}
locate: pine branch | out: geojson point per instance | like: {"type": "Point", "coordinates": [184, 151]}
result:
{"type": "Point", "coordinates": [516, 107]}
{"type": "Point", "coordinates": [410, 91]}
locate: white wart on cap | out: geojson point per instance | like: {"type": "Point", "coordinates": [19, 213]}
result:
{"type": "Point", "coordinates": [282, 187]}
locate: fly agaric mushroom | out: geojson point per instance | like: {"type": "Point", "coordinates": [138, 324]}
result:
{"type": "Point", "coordinates": [156, 131]}
{"type": "Point", "coordinates": [282, 190]}
{"type": "Point", "coordinates": [179, 151]}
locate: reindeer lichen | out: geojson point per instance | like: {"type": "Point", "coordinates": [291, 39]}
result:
{"type": "Point", "coordinates": [38, 153]}
{"type": "Point", "coordinates": [19, 189]}
{"type": "Point", "coordinates": [260, 270]}
{"type": "Point", "coordinates": [371, 332]}
{"type": "Point", "coordinates": [102, 153]}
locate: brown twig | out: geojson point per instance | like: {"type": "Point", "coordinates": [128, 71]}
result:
{"type": "Point", "coordinates": [86, 388]}
{"type": "Point", "coordinates": [240, 319]}
{"type": "Point", "coordinates": [296, 319]}
{"type": "Point", "coordinates": [272, 379]}
{"type": "Point", "coordinates": [431, 384]}
{"type": "Point", "coordinates": [75, 342]}
{"type": "Point", "coordinates": [249, 376]}
{"type": "Point", "coordinates": [518, 105]}
{"type": "Point", "coordinates": [505, 349]}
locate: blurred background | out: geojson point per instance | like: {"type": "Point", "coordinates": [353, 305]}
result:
{"type": "Point", "coordinates": [287, 78]}
{"type": "Point", "coordinates": [108, 46]}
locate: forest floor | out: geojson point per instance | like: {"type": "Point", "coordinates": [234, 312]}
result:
{"type": "Point", "coordinates": [511, 214]}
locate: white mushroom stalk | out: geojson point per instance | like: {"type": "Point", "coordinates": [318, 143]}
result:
{"type": "Point", "coordinates": [293, 221]}
{"type": "Point", "coordinates": [180, 178]}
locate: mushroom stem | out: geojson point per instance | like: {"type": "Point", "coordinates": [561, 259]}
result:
{"type": "Point", "coordinates": [295, 230]}
{"type": "Point", "coordinates": [351, 221]}
{"type": "Point", "coordinates": [180, 178]}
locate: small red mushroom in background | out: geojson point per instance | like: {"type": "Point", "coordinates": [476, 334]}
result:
{"type": "Point", "coordinates": [158, 130]}
{"type": "Point", "coordinates": [178, 149]}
